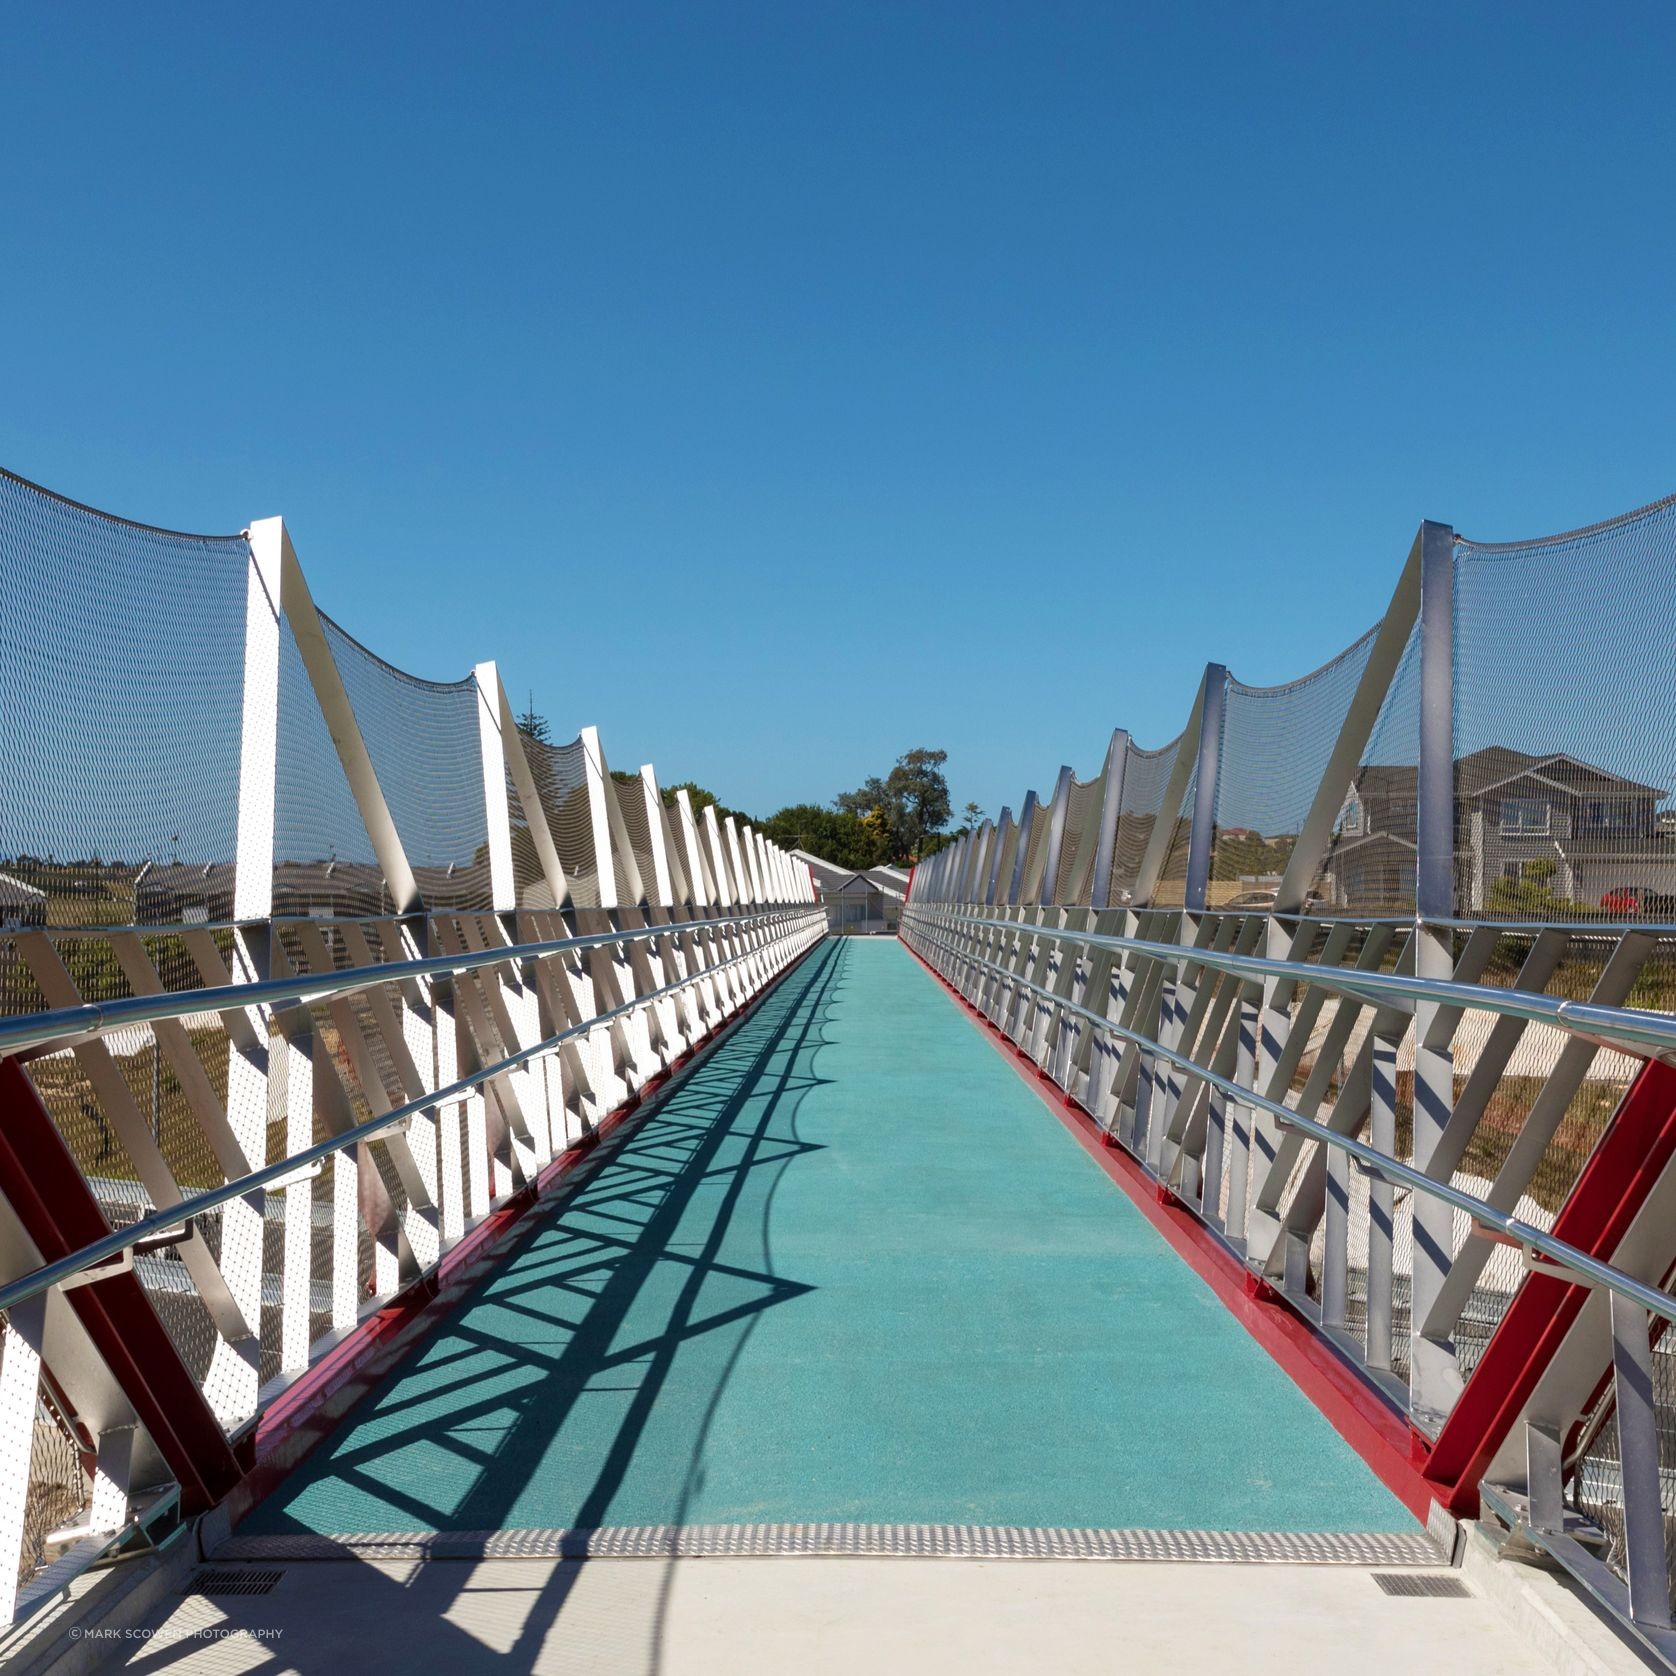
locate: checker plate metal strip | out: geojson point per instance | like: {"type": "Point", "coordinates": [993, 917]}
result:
{"type": "Point", "coordinates": [990, 1542]}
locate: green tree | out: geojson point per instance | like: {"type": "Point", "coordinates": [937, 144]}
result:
{"type": "Point", "coordinates": [1531, 895]}
{"type": "Point", "coordinates": [835, 835]}
{"type": "Point", "coordinates": [908, 804]}
{"type": "Point", "coordinates": [534, 726]}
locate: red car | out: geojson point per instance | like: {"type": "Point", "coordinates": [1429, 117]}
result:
{"type": "Point", "coordinates": [1631, 901]}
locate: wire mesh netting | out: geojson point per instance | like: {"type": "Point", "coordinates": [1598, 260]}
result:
{"type": "Point", "coordinates": [1076, 849]}
{"type": "Point", "coordinates": [615, 788]}
{"type": "Point", "coordinates": [1595, 1459]}
{"type": "Point", "coordinates": [1564, 809]}
{"type": "Point", "coordinates": [59, 1486]}
{"type": "Point", "coordinates": [1273, 755]}
{"type": "Point", "coordinates": [1146, 777]}
{"type": "Point", "coordinates": [121, 684]}
{"type": "Point", "coordinates": [324, 864]}
{"type": "Point", "coordinates": [689, 853]}
{"type": "Point", "coordinates": [1371, 858]}
{"type": "Point", "coordinates": [561, 782]}
{"type": "Point", "coordinates": [637, 821]}
{"type": "Point", "coordinates": [1170, 890]}
{"type": "Point", "coordinates": [680, 882]}
{"type": "Point", "coordinates": [1035, 851]}
{"type": "Point", "coordinates": [425, 743]}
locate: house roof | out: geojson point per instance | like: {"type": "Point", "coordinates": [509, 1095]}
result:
{"type": "Point", "coordinates": [1496, 765]}
{"type": "Point", "coordinates": [857, 884]}
{"type": "Point", "coordinates": [830, 877]}
{"type": "Point", "coordinates": [15, 893]}
{"type": "Point", "coordinates": [822, 869]}
{"type": "Point", "coordinates": [1483, 771]}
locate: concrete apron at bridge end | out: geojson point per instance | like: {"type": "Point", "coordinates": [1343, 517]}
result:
{"type": "Point", "coordinates": [845, 1276]}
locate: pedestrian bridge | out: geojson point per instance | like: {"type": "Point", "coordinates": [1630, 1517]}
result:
{"type": "Point", "coordinates": [458, 1204]}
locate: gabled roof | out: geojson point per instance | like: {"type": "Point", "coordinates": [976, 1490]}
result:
{"type": "Point", "coordinates": [19, 894]}
{"type": "Point", "coordinates": [822, 869]}
{"type": "Point", "coordinates": [1345, 845]}
{"type": "Point", "coordinates": [1496, 765]}
{"type": "Point", "coordinates": [1483, 771]}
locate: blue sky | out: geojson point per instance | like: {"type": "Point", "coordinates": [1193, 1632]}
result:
{"type": "Point", "coordinates": [779, 387]}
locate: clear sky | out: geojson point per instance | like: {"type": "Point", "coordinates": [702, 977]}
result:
{"type": "Point", "coordinates": [782, 386]}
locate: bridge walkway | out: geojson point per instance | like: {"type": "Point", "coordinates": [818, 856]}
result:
{"type": "Point", "coordinates": [848, 1274]}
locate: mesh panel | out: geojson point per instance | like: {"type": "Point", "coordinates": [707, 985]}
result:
{"type": "Point", "coordinates": [1034, 845]}
{"type": "Point", "coordinates": [1369, 867]}
{"type": "Point", "coordinates": [690, 854]}
{"type": "Point", "coordinates": [1598, 1485]}
{"type": "Point", "coordinates": [426, 749]}
{"type": "Point", "coordinates": [1563, 806]}
{"type": "Point", "coordinates": [1274, 750]}
{"type": "Point", "coordinates": [637, 819]}
{"type": "Point", "coordinates": [1171, 888]}
{"type": "Point", "coordinates": [626, 893]}
{"type": "Point", "coordinates": [323, 859]}
{"type": "Point", "coordinates": [58, 1490]}
{"type": "Point", "coordinates": [1076, 851]}
{"type": "Point", "coordinates": [669, 818]}
{"type": "Point", "coordinates": [122, 690]}
{"type": "Point", "coordinates": [1146, 777]}
{"type": "Point", "coordinates": [561, 782]}
{"type": "Point", "coordinates": [529, 879]}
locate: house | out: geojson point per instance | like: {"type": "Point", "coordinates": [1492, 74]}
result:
{"type": "Point", "coordinates": [185, 893]}
{"type": "Point", "coordinates": [866, 901]}
{"type": "Point", "coordinates": [1581, 831]}
{"type": "Point", "coordinates": [22, 906]}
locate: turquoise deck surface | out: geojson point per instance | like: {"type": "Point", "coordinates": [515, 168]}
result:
{"type": "Point", "coordinates": [852, 1270]}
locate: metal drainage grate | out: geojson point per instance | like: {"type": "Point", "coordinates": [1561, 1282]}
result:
{"type": "Point", "coordinates": [1432, 1584]}
{"type": "Point", "coordinates": [994, 1542]}
{"type": "Point", "coordinates": [227, 1581]}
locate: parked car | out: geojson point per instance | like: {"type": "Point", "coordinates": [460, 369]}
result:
{"type": "Point", "coordinates": [1632, 902]}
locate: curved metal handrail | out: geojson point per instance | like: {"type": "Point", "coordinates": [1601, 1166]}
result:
{"type": "Point", "coordinates": [183, 1211]}
{"type": "Point", "coordinates": [1648, 1034]}
{"type": "Point", "coordinates": [93, 1018]}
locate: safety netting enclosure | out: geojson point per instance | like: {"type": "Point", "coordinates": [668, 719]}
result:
{"type": "Point", "coordinates": [1373, 971]}
{"type": "Point", "coordinates": [313, 971]}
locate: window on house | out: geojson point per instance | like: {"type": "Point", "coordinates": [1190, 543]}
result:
{"type": "Point", "coordinates": [1513, 872]}
{"type": "Point", "coordinates": [1521, 816]}
{"type": "Point", "coordinates": [1612, 816]}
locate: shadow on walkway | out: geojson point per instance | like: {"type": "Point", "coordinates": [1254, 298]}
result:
{"type": "Point", "coordinates": [597, 1300]}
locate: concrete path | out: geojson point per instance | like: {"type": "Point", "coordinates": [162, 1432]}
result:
{"type": "Point", "coordinates": [826, 1617]}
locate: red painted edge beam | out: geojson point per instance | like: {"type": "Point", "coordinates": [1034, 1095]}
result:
{"type": "Point", "coordinates": [1356, 1410]}
{"type": "Point", "coordinates": [1621, 1172]}
{"type": "Point", "coordinates": [51, 1199]}
{"type": "Point", "coordinates": [308, 1410]}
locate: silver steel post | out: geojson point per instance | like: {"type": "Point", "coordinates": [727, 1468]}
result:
{"type": "Point", "coordinates": [1434, 1378]}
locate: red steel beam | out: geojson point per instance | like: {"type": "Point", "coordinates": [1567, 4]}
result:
{"type": "Point", "coordinates": [1621, 1172]}
{"type": "Point", "coordinates": [50, 1197]}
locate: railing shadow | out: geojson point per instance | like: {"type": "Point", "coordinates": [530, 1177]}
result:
{"type": "Point", "coordinates": [561, 1319]}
